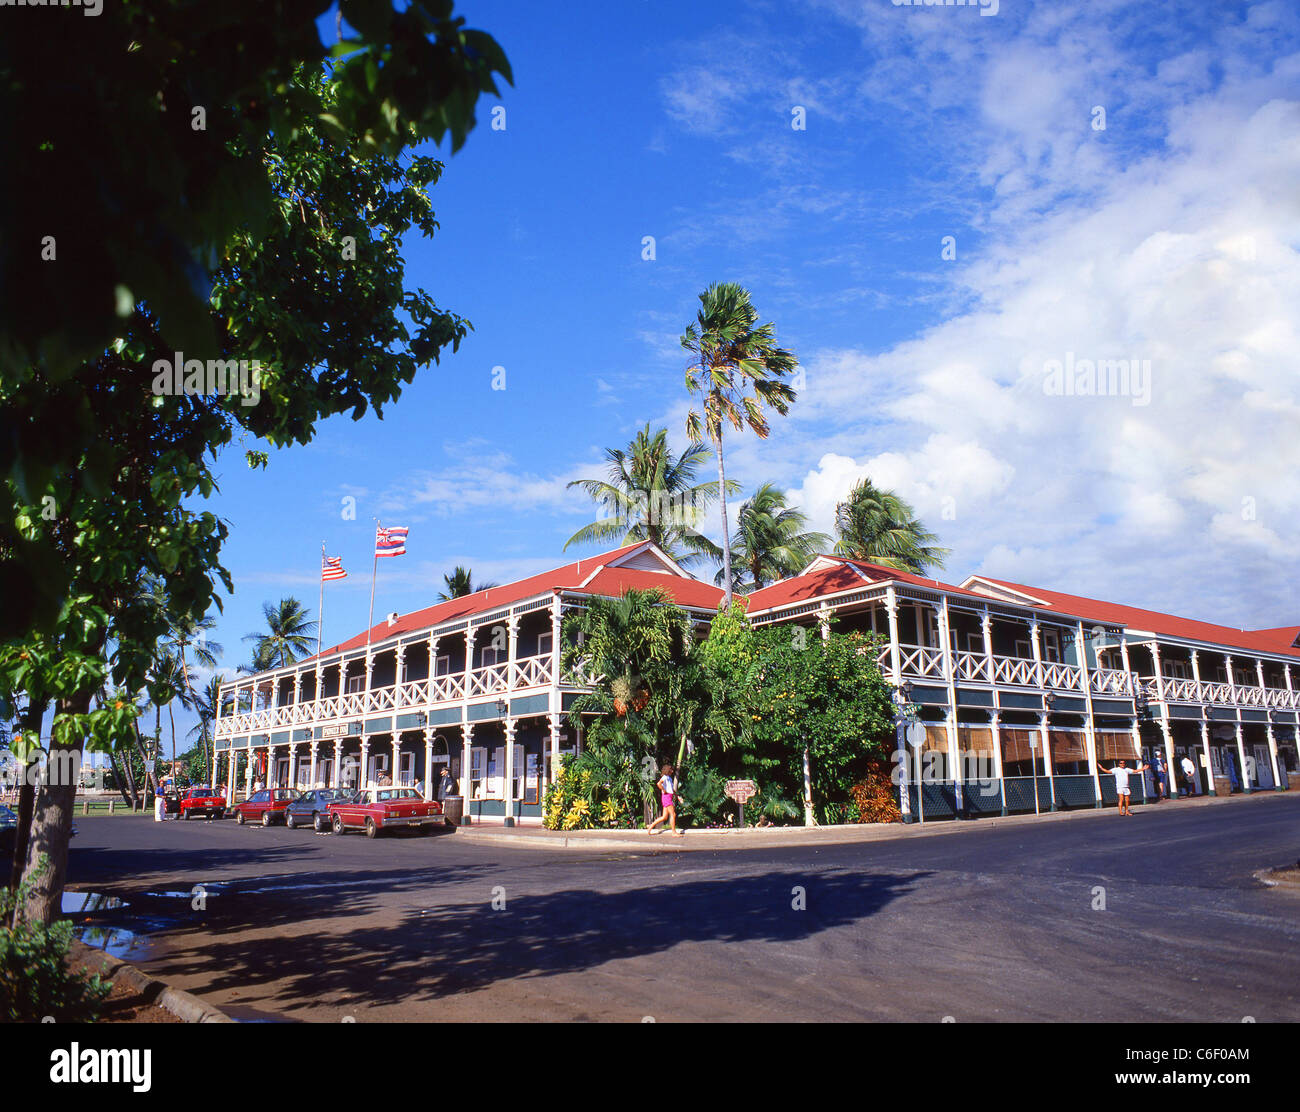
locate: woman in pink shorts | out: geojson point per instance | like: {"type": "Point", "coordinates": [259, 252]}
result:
{"type": "Point", "coordinates": [667, 789]}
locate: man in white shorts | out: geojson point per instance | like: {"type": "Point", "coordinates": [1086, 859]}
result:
{"type": "Point", "coordinates": [1122, 772]}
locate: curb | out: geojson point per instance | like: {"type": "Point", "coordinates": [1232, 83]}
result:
{"type": "Point", "coordinates": [803, 837]}
{"type": "Point", "coordinates": [184, 1005]}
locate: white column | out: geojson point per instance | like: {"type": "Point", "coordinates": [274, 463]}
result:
{"type": "Point", "coordinates": [293, 764]}
{"type": "Point", "coordinates": [950, 719]}
{"type": "Point", "coordinates": [311, 772]}
{"type": "Point", "coordinates": [895, 653]}
{"type": "Point", "coordinates": [995, 732]}
{"type": "Point", "coordinates": [466, 760]}
{"type": "Point", "coordinates": [554, 721]}
{"type": "Point", "coordinates": [428, 762]}
{"type": "Point", "coordinates": [248, 767]}
{"type": "Point", "coordinates": [363, 778]}
{"type": "Point", "coordinates": [1090, 720]}
{"type": "Point", "coordinates": [1207, 779]}
{"type": "Point", "coordinates": [338, 764]}
{"type": "Point", "coordinates": [1044, 744]}
{"type": "Point", "coordinates": [508, 789]}
{"type": "Point", "coordinates": [397, 756]}
{"type": "Point", "coordinates": [512, 652]}
{"type": "Point", "coordinates": [986, 628]}
{"type": "Point", "coordinates": [1268, 719]}
{"type": "Point", "coordinates": [230, 772]}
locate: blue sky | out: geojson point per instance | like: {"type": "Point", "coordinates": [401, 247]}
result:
{"type": "Point", "coordinates": [1168, 238]}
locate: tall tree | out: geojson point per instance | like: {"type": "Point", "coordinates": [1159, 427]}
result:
{"type": "Point", "coordinates": [654, 496]}
{"type": "Point", "coordinates": [461, 583]}
{"type": "Point", "coordinates": [287, 637]}
{"type": "Point", "coordinates": [738, 371]}
{"type": "Point", "coordinates": [285, 162]}
{"type": "Point", "coordinates": [878, 526]}
{"type": "Point", "coordinates": [770, 541]}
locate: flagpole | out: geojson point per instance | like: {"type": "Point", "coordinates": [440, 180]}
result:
{"type": "Point", "coordinates": [373, 572]}
{"type": "Point", "coordinates": [320, 610]}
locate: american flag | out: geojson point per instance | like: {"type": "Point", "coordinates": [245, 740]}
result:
{"type": "Point", "coordinates": [331, 567]}
{"type": "Point", "coordinates": [390, 542]}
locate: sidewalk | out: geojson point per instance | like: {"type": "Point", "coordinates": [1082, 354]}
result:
{"type": "Point", "coordinates": [776, 837]}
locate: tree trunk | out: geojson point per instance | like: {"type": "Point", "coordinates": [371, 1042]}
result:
{"type": "Point", "coordinates": [52, 827]}
{"type": "Point", "coordinates": [809, 819]}
{"type": "Point", "coordinates": [150, 780]}
{"type": "Point", "coordinates": [26, 804]}
{"type": "Point", "coordinates": [726, 532]}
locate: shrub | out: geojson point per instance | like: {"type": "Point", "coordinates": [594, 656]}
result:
{"type": "Point", "coordinates": [874, 797]}
{"type": "Point", "coordinates": [35, 978]}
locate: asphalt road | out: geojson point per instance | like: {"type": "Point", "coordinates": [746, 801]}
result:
{"type": "Point", "coordinates": [978, 924]}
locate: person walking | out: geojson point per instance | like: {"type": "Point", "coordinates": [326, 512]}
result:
{"type": "Point", "coordinates": [667, 795]}
{"type": "Point", "coordinates": [446, 784]}
{"type": "Point", "coordinates": [1121, 773]}
{"type": "Point", "coordinates": [1158, 776]}
{"type": "Point", "coordinates": [1189, 777]}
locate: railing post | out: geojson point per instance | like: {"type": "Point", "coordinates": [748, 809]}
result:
{"type": "Point", "coordinates": [950, 719]}
{"type": "Point", "coordinates": [895, 653]}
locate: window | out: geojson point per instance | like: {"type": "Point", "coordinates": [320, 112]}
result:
{"type": "Point", "coordinates": [1177, 670]}
{"type": "Point", "coordinates": [442, 665]}
{"type": "Point", "coordinates": [545, 643]}
{"type": "Point", "coordinates": [355, 684]}
{"type": "Point", "coordinates": [1052, 646]}
{"type": "Point", "coordinates": [476, 761]}
{"type": "Point", "coordinates": [490, 656]}
{"type": "Point", "coordinates": [975, 643]}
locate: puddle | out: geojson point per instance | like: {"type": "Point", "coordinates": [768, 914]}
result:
{"type": "Point", "coordinates": [113, 940]}
{"type": "Point", "coordinates": [88, 903]}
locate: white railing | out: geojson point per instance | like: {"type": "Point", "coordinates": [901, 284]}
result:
{"type": "Point", "coordinates": [1015, 671]}
{"type": "Point", "coordinates": [489, 680]}
{"type": "Point", "coordinates": [1107, 681]}
{"type": "Point", "coordinates": [973, 666]}
{"type": "Point", "coordinates": [921, 660]}
{"type": "Point", "coordinates": [532, 671]}
{"type": "Point", "coordinates": [1061, 677]}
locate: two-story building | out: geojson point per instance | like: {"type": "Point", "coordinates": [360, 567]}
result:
{"type": "Point", "coordinates": [1025, 694]}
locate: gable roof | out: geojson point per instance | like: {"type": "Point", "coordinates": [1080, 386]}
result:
{"type": "Point", "coordinates": [609, 573]}
{"type": "Point", "coordinates": [829, 575]}
{"type": "Point", "coordinates": [1275, 641]}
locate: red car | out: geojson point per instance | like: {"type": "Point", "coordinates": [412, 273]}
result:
{"type": "Point", "coordinates": [205, 801]}
{"type": "Point", "coordinates": [266, 806]}
{"type": "Point", "coordinates": [384, 808]}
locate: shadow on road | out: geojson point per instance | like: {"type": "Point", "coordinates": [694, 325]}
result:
{"type": "Point", "coordinates": [435, 950]}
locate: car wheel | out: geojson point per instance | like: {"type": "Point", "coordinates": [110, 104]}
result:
{"type": "Point", "coordinates": [338, 824]}
{"type": "Point", "coordinates": [372, 831]}
{"type": "Point", "coordinates": [239, 817]}
{"type": "Point", "coordinates": [266, 818]}
{"type": "Point", "coordinates": [289, 821]}
{"type": "Point", "coordinates": [220, 815]}
{"type": "Point", "coordinates": [318, 823]}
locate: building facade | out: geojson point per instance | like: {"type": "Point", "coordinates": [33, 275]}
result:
{"type": "Point", "coordinates": [1024, 695]}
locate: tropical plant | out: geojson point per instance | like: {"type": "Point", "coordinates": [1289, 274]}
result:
{"type": "Point", "coordinates": [461, 583]}
{"type": "Point", "coordinates": [737, 370]}
{"type": "Point", "coordinates": [770, 542]}
{"type": "Point", "coordinates": [654, 496]}
{"type": "Point", "coordinates": [701, 797]}
{"type": "Point", "coordinates": [878, 526]}
{"type": "Point", "coordinates": [36, 980]}
{"type": "Point", "coordinates": [287, 636]}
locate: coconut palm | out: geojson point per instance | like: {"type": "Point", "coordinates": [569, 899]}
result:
{"type": "Point", "coordinates": [770, 541]}
{"type": "Point", "coordinates": [287, 637]}
{"type": "Point", "coordinates": [737, 369]}
{"type": "Point", "coordinates": [878, 526]}
{"type": "Point", "coordinates": [653, 496]}
{"type": "Point", "coordinates": [205, 705]}
{"type": "Point", "coordinates": [461, 583]}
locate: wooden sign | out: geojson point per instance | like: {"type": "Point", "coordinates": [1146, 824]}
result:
{"type": "Point", "coordinates": [742, 791]}
{"type": "Point", "coordinates": [341, 730]}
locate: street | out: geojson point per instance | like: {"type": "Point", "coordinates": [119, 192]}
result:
{"type": "Point", "coordinates": [1100, 918]}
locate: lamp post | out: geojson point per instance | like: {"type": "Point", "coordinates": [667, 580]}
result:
{"type": "Point", "coordinates": [902, 697]}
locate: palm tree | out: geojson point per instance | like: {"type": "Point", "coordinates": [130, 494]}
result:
{"type": "Point", "coordinates": [654, 496]}
{"type": "Point", "coordinates": [287, 637]}
{"type": "Point", "coordinates": [878, 526]}
{"type": "Point", "coordinates": [461, 583]}
{"type": "Point", "coordinates": [770, 542]}
{"type": "Point", "coordinates": [192, 636]}
{"type": "Point", "coordinates": [205, 706]}
{"type": "Point", "coordinates": [736, 368]}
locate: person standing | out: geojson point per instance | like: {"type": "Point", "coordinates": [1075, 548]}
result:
{"type": "Point", "coordinates": [446, 784]}
{"type": "Point", "coordinates": [1189, 776]}
{"type": "Point", "coordinates": [1121, 773]}
{"type": "Point", "coordinates": [1158, 776]}
{"type": "Point", "coordinates": [667, 796]}
{"type": "Point", "coordinates": [159, 805]}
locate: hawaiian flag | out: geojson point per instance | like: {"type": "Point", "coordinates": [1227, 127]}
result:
{"type": "Point", "coordinates": [331, 567]}
{"type": "Point", "coordinates": [390, 542]}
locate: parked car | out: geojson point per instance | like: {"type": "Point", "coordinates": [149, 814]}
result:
{"type": "Point", "coordinates": [313, 807]}
{"type": "Point", "coordinates": [383, 809]}
{"type": "Point", "coordinates": [8, 832]}
{"type": "Point", "coordinates": [266, 806]}
{"type": "Point", "coordinates": [203, 800]}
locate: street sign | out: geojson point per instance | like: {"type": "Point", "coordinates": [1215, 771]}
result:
{"type": "Point", "coordinates": [915, 735]}
{"type": "Point", "coordinates": [742, 791]}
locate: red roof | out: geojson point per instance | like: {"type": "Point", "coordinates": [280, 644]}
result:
{"type": "Point", "coordinates": [595, 572]}
{"type": "Point", "coordinates": [844, 575]}
{"type": "Point", "coordinates": [1153, 621]}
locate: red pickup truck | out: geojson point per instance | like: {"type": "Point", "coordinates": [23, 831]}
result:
{"type": "Point", "coordinates": [383, 809]}
{"type": "Point", "coordinates": [203, 800]}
